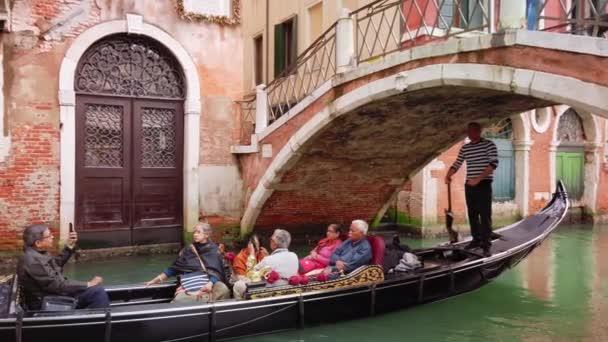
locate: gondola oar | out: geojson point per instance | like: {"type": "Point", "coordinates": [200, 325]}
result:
{"type": "Point", "coordinates": [449, 218]}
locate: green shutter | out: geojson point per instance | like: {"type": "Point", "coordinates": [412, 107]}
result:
{"type": "Point", "coordinates": [293, 49]}
{"type": "Point", "coordinates": [279, 49]}
{"type": "Point", "coordinates": [503, 186]}
{"type": "Point", "coordinates": [570, 170]}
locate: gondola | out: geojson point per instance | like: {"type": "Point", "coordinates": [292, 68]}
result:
{"type": "Point", "coordinates": [145, 314]}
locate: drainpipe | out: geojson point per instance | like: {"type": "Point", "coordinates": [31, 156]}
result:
{"type": "Point", "coordinates": [267, 42]}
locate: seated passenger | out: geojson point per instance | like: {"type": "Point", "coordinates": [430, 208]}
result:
{"type": "Point", "coordinates": [41, 274]}
{"type": "Point", "coordinates": [281, 261]}
{"type": "Point", "coordinates": [189, 260]}
{"type": "Point", "coordinates": [320, 255]}
{"type": "Point", "coordinates": [247, 258]}
{"type": "Point", "coordinates": [354, 252]}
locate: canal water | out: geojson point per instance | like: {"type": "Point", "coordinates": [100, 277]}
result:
{"type": "Point", "coordinates": [559, 293]}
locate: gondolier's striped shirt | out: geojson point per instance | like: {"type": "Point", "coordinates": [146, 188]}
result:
{"type": "Point", "coordinates": [478, 156]}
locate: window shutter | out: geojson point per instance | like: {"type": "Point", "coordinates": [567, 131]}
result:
{"type": "Point", "coordinates": [279, 49]}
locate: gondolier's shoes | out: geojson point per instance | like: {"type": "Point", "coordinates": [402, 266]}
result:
{"type": "Point", "coordinates": [472, 245]}
{"type": "Point", "coordinates": [487, 252]}
{"type": "Point", "coordinates": [495, 236]}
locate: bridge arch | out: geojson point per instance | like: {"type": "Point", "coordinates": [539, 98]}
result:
{"type": "Point", "coordinates": [512, 89]}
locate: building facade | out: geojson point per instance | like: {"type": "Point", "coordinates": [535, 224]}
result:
{"type": "Point", "coordinates": [118, 117]}
{"type": "Point", "coordinates": [535, 149]}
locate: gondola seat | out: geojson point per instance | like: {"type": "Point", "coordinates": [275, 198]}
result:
{"type": "Point", "coordinates": [378, 248]}
{"type": "Point", "coordinates": [363, 275]}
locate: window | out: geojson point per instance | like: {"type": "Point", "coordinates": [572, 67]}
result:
{"type": "Point", "coordinates": [315, 22]}
{"type": "Point", "coordinates": [258, 59]}
{"type": "Point", "coordinates": [285, 45]}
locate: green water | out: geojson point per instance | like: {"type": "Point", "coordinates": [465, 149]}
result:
{"type": "Point", "coordinates": [559, 293]}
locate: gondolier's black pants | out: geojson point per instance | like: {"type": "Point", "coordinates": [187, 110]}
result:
{"type": "Point", "coordinates": [479, 208]}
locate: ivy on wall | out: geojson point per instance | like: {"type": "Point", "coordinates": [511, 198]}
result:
{"type": "Point", "coordinates": [234, 19]}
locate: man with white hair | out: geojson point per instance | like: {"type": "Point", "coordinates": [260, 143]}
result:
{"type": "Point", "coordinates": [354, 252]}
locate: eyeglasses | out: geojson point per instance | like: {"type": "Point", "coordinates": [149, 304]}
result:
{"type": "Point", "coordinates": [46, 237]}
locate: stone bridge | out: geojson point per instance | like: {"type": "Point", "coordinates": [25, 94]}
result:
{"type": "Point", "coordinates": [339, 149]}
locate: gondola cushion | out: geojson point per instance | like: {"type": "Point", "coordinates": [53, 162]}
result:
{"type": "Point", "coordinates": [378, 246]}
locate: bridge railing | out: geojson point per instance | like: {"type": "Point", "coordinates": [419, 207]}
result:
{"type": "Point", "coordinates": [247, 116]}
{"type": "Point", "coordinates": [386, 26]}
{"type": "Point", "coordinates": [583, 17]}
{"type": "Point", "coordinates": [311, 69]}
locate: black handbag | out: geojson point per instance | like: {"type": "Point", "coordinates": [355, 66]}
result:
{"type": "Point", "coordinates": [58, 303]}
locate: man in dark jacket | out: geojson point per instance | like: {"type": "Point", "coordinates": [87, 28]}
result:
{"type": "Point", "coordinates": [41, 274]}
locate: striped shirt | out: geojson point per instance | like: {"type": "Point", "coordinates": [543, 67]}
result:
{"type": "Point", "coordinates": [478, 156]}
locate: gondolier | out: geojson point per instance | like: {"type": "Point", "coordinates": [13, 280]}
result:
{"type": "Point", "coordinates": [482, 159]}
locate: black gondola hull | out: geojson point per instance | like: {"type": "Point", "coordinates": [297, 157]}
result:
{"type": "Point", "coordinates": [233, 319]}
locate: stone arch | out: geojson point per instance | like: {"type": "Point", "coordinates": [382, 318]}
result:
{"type": "Point", "coordinates": [525, 82]}
{"type": "Point", "coordinates": [133, 24]}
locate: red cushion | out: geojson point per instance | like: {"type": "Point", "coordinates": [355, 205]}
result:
{"type": "Point", "coordinates": [377, 243]}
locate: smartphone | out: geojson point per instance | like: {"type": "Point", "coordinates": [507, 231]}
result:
{"type": "Point", "coordinates": [71, 227]}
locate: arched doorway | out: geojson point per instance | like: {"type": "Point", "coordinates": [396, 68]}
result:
{"type": "Point", "coordinates": [570, 157]}
{"type": "Point", "coordinates": [129, 151]}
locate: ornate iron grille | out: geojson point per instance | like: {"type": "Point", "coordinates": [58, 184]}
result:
{"type": "Point", "coordinates": [570, 129]}
{"type": "Point", "coordinates": [103, 136]}
{"type": "Point", "coordinates": [502, 129]}
{"type": "Point", "coordinates": [158, 141]}
{"type": "Point", "coordinates": [129, 67]}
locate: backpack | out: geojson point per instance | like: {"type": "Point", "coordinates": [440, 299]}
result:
{"type": "Point", "coordinates": [393, 253]}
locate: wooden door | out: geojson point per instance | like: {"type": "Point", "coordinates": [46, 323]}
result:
{"type": "Point", "coordinates": [128, 171]}
{"type": "Point", "coordinates": [570, 170]}
{"type": "Point", "coordinates": [157, 171]}
{"type": "Point", "coordinates": [503, 186]}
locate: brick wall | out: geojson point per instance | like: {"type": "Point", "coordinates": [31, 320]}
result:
{"type": "Point", "coordinates": [29, 190]}
{"type": "Point", "coordinates": [42, 31]}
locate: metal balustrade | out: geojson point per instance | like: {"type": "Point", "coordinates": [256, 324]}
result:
{"type": "Point", "coordinates": [584, 17]}
{"type": "Point", "coordinates": [312, 68]}
{"type": "Point", "coordinates": [387, 26]}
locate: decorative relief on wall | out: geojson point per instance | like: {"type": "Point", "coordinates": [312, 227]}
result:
{"type": "Point", "coordinates": [570, 129]}
{"type": "Point", "coordinates": [540, 119]}
{"type": "Point", "coordinates": [223, 12]}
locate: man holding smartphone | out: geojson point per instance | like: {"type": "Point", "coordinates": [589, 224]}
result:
{"type": "Point", "coordinates": [41, 274]}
